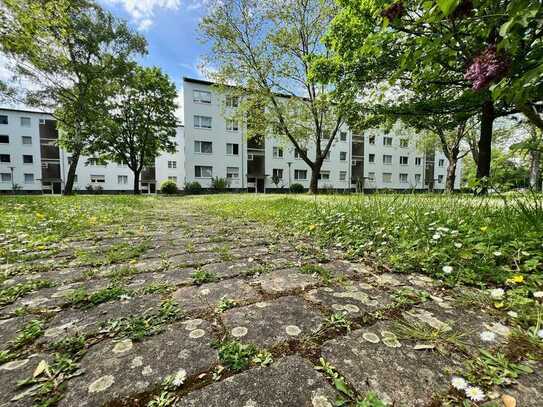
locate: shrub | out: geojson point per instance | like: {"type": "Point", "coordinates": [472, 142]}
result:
{"type": "Point", "coordinates": [193, 188]}
{"type": "Point", "coordinates": [168, 187]}
{"type": "Point", "coordinates": [219, 184]}
{"type": "Point", "coordinates": [297, 188]}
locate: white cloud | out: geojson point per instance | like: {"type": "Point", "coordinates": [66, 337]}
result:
{"type": "Point", "coordinates": [143, 11]}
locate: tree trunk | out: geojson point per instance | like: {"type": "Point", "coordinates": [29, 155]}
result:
{"type": "Point", "coordinates": [451, 173]}
{"type": "Point", "coordinates": [137, 182]}
{"type": "Point", "coordinates": [535, 170]}
{"type": "Point", "coordinates": [485, 141]}
{"type": "Point", "coordinates": [315, 172]}
{"type": "Point", "coordinates": [68, 188]}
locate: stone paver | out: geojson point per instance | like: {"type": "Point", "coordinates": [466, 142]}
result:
{"type": "Point", "coordinates": [119, 369]}
{"type": "Point", "coordinates": [269, 322]}
{"type": "Point", "coordinates": [291, 381]}
{"type": "Point", "coordinates": [260, 279]}
{"type": "Point", "coordinates": [373, 359]}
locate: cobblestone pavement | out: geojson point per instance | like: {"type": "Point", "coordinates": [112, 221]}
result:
{"type": "Point", "coordinates": [193, 310]}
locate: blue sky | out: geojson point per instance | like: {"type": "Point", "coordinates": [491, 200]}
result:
{"type": "Point", "coordinates": [170, 27]}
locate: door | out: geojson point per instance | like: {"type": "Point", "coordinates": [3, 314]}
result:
{"type": "Point", "coordinates": [57, 188]}
{"type": "Point", "coordinates": [260, 185]}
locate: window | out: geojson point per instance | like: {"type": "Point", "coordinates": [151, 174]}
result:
{"type": "Point", "coordinates": [5, 158]}
{"type": "Point", "coordinates": [343, 156]}
{"type": "Point", "coordinates": [300, 174]}
{"type": "Point", "coordinates": [277, 173]}
{"type": "Point", "coordinates": [28, 159]}
{"type": "Point", "coordinates": [232, 149]}
{"type": "Point", "coordinates": [404, 160]}
{"type": "Point", "coordinates": [343, 136]}
{"type": "Point", "coordinates": [27, 140]}
{"type": "Point", "coordinates": [25, 121]}
{"type": "Point", "coordinates": [232, 101]}
{"type": "Point", "coordinates": [232, 125]}
{"type": "Point", "coordinates": [372, 140]}
{"type": "Point", "coordinates": [172, 178]}
{"type": "Point", "coordinates": [387, 159]}
{"type": "Point", "coordinates": [4, 139]}
{"type": "Point", "coordinates": [29, 178]}
{"type": "Point", "coordinates": [232, 172]}
{"type": "Point", "coordinates": [418, 161]}
{"type": "Point", "coordinates": [201, 96]}
{"type": "Point", "coordinates": [97, 179]}
{"type": "Point", "coordinates": [387, 141]}
{"type": "Point", "coordinates": [297, 154]}
{"type": "Point", "coordinates": [343, 175]}
{"type": "Point", "coordinates": [403, 178]}
{"type": "Point", "coordinates": [440, 179]}
{"type": "Point", "coordinates": [441, 162]}
{"type": "Point", "coordinates": [371, 176]}
{"type": "Point", "coordinates": [202, 122]}
{"type": "Point", "coordinates": [3, 120]}
{"type": "Point", "coordinates": [278, 152]}
{"type": "Point", "coordinates": [172, 164]}
{"type": "Point", "coordinates": [417, 179]}
{"type": "Point", "coordinates": [324, 175]}
{"type": "Point", "coordinates": [387, 177]}
{"type": "Point", "coordinates": [203, 147]}
{"type": "Point", "coordinates": [122, 179]}
{"type": "Point", "coordinates": [201, 171]}
{"type": "Point", "coordinates": [5, 177]}
{"type": "Point", "coordinates": [404, 143]}
{"type": "Point", "coordinates": [371, 158]}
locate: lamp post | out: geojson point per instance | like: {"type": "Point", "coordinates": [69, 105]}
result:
{"type": "Point", "coordinates": [289, 179]}
{"type": "Point", "coordinates": [12, 179]}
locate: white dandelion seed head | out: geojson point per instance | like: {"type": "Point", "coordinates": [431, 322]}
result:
{"type": "Point", "coordinates": [538, 294]}
{"type": "Point", "coordinates": [540, 333]}
{"type": "Point", "coordinates": [458, 245]}
{"type": "Point", "coordinates": [436, 236]}
{"type": "Point", "coordinates": [459, 383]}
{"type": "Point", "coordinates": [179, 378]}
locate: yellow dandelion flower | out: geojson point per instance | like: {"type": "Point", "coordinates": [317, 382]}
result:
{"type": "Point", "coordinates": [312, 227]}
{"type": "Point", "coordinates": [40, 215]}
{"type": "Point", "coordinates": [516, 279]}
{"type": "Point", "coordinates": [499, 305]}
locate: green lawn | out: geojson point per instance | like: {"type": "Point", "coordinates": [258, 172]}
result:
{"type": "Point", "coordinates": [487, 242]}
{"type": "Point", "coordinates": [491, 242]}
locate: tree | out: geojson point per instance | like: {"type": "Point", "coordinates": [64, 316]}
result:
{"type": "Point", "coordinates": [67, 50]}
{"type": "Point", "coordinates": [426, 50]}
{"type": "Point", "coordinates": [139, 120]}
{"type": "Point", "coordinates": [532, 145]}
{"type": "Point", "coordinates": [264, 49]}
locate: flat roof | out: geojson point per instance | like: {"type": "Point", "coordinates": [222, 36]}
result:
{"type": "Point", "coordinates": [9, 109]}
{"type": "Point", "coordinates": [209, 83]}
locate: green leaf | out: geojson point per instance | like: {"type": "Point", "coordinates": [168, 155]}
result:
{"type": "Point", "coordinates": [448, 6]}
{"type": "Point", "coordinates": [339, 383]}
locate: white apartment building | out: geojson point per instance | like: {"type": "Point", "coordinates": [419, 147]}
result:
{"type": "Point", "coordinates": [32, 162]}
{"type": "Point", "coordinates": [218, 147]}
{"type": "Point", "coordinates": [212, 145]}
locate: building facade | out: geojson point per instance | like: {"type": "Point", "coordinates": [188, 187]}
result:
{"type": "Point", "coordinates": [212, 144]}
{"type": "Point", "coordinates": [32, 162]}
{"type": "Point", "coordinates": [216, 146]}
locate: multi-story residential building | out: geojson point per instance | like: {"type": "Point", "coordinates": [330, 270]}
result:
{"type": "Point", "coordinates": [31, 160]}
{"type": "Point", "coordinates": [216, 146]}
{"type": "Point", "coordinates": [213, 144]}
